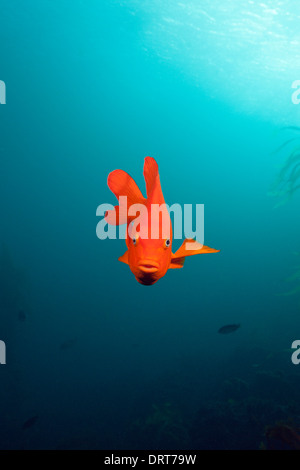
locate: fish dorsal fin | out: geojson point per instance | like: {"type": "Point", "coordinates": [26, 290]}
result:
{"type": "Point", "coordinates": [193, 248]}
{"type": "Point", "coordinates": [124, 258]}
{"type": "Point", "coordinates": [122, 184]}
{"type": "Point", "coordinates": [150, 174]}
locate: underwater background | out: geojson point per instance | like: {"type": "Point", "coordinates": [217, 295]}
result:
{"type": "Point", "coordinates": [94, 359]}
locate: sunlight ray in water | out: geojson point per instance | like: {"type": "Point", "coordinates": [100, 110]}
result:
{"type": "Point", "coordinates": [255, 48]}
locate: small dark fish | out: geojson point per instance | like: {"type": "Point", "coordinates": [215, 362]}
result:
{"type": "Point", "coordinates": [68, 344]}
{"type": "Point", "coordinates": [225, 330]}
{"type": "Point", "coordinates": [21, 315]}
{"type": "Point", "coordinates": [30, 422]}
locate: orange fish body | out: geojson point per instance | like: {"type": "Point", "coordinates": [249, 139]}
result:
{"type": "Point", "coordinates": [149, 249]}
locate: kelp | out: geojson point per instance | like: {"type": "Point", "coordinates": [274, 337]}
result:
{"type": "Point", "coordinates": [287, 183]}
{"type": "Point", "coordinates": [288, 179]}
{"type": "Point", "coordinates": [295, 278]}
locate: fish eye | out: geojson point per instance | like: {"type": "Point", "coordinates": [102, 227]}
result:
{"type": "Point", "coordinates": [134, 237]}
{"type": "Point", "coordinates": [168, 242]}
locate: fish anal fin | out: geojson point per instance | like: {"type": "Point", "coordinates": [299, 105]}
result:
{"type": "Point", "coordinates": [124, 258]}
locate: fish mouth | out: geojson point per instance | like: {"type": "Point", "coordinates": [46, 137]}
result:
{"type": "Point", "coordinates": [148, 266]}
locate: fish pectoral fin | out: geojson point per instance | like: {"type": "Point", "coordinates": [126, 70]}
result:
{"type": "Point", "coordinates": [177, 263]}
{"type": "Point", "coordinates": [188, 248]}
{"type": "Point", "coordinates": [124, 258]}
{"type": "Point", "coordinates": [192, 247]}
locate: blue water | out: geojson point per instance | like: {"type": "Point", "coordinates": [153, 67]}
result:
{"type": "Point", "coordinates": [102, 361]}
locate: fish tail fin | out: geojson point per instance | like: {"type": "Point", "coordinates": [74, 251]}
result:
{"type": "Point", "coordinates": [122, 184]}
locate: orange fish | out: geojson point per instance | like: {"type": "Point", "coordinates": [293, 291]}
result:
{"type": "Point", "coordinates": [149, 256]}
